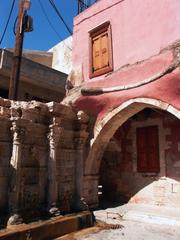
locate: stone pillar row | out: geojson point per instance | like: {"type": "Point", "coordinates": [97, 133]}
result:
{"type": "Point", "coordinates": [38, 134]}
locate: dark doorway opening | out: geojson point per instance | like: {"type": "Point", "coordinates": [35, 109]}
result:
{"type": "Point", "coordinates": [4, 93]}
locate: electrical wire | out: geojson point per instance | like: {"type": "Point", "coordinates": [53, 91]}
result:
{"type": "Point", "coordinates": [51, 25]}
{"type": "Point", "coordinates": [47, 18]}
{"type": "Point", "coordinates": [59, 15]}
{"type": "Point", "coordinates": [7, 23]}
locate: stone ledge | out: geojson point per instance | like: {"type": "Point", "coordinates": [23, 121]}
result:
{"type": "Point", "coordinates": [48, 229]}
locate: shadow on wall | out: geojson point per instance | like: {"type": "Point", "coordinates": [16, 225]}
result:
{"type": "Point", "coordinates": [142, 168]}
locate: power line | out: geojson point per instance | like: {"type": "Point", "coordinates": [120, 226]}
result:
{"type": "Point", "coordinates": [7, 23]}
{"type": "Point", "coordinates": [47, 18]}
{"type": "Point", "coordinates": [59, 14]}
{"type": "Point", "coordinates": [51, 25]}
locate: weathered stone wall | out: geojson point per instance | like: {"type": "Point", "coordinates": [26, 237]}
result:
{"type": "Point", "coordinates": [5, 155]}
{"type": "Point", "coordinates": [41, 154]}
{"type": "Point", "coordinates": [119, 165]}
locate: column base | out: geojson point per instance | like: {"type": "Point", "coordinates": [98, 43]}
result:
{"type": "Point", "coordinates": [54, 211]}
{"type": "Point", "coordinates": [15, 220]}
{"type": "Point", "coordinates": [81, 205]}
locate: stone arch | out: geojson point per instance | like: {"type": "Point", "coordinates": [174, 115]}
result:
{"type": "Point", "coordinates": [105, 129]}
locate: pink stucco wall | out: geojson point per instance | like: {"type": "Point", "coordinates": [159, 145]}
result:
{"type": "Point", "coordinates": [140, 29]}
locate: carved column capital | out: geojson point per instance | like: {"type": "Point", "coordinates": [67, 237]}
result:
{"type": "Point", "coordinates": [18, 132]}
{"type": "Point", "coordinates": [82, 117]}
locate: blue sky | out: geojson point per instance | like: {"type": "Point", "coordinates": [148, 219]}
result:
{"type": "Point", "coordinates": [42, 37]}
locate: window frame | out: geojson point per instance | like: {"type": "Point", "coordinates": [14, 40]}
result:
{"type": "Point", "coordinates": [103, 28]}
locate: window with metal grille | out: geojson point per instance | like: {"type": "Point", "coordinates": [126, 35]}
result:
{"type": "Point", "coordinates": [84, 4]}
{"type": "Point", "coordinates": [147, 149]}
{"type": "Point", "coordinates": [100, 50]}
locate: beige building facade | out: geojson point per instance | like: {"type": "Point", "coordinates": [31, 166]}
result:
{"type": "Point", "coordinates": [38, 80]}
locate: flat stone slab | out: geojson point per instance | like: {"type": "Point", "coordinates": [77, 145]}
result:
{"type": "Point", "coordinates": [48, 229]}
{"type": "Point", "coordinates": [150, 218]}
{"type": "Point", "coordinates": [140, 213]}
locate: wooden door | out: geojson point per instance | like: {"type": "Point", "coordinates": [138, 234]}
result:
{"type": "Point", "coordinates": [147, 149]}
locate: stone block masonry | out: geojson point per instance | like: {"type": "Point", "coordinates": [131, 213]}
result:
{"type": "Point", "coordinates": [41, 146]}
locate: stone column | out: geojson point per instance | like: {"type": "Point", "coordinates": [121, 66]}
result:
{"type": "Point", "coordinates": [90, 187]}
{"type": "Point", "coordinates": [15, 192]}
{"type": "Point", "coordinates": [80, 140]}
{"type": "Point", "coordinates": [53, 136]}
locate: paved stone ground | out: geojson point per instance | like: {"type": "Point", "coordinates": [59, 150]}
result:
{"type": "Point", "coordinates": [148, 227]}
{"type": "Point", "coordinates": [130, 231]}
{"type": "Point", "coordinates": [136, 231]}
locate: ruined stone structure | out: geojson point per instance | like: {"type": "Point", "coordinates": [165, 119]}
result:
{"type": "Point", "coordinates": [116, 132]}
{"type": "Point", "coordinates": [41, 152]}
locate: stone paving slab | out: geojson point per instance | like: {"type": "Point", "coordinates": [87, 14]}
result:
{"type": "Point", "coordinates": [140, 213]}
{"type": "Point", "coordinates": [134, 231]}
{"type": "Point", "coordinates": [134, 225]}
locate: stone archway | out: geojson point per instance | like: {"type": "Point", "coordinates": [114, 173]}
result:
{"type": "Point", "coordinates": [104, 130]}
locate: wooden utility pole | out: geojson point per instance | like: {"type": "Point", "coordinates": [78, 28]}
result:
{"type": "Point", "coordinates": [17, 55]}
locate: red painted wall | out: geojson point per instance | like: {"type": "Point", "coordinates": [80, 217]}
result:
{"type": "Point", "coordinates": [166, 89]}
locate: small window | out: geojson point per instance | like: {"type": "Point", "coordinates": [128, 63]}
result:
{"type": "Point", "coordinates": [147, 149]}
{"type": "Point", "coordinates": [100, 50]}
